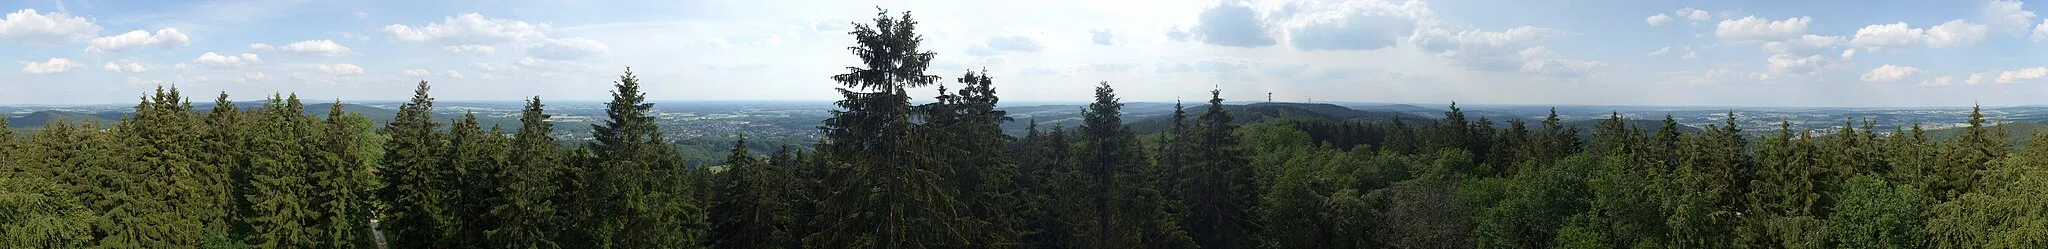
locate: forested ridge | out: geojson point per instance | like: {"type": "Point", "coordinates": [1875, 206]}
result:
{"type": "Point", "coordinates": [891, 173]}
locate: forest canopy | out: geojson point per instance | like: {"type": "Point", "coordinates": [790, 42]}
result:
{"type": "Point", "coordinates": [893, 173]}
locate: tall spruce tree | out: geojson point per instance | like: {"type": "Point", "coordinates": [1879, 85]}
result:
{"type": "Point", "coordinates": [473, 157]}
{"type": "Point", "coordinates": [412, 175]}
{"type": "Point", "coordinates": [987, 178]}
{"type": "Point", "coordinates": [1127, 212]}
{"type": "Point", "coordinates": [886, 188]}
{"type": "Point", "coordinates": [156, 195]}
{"type": "Point", "coordinates": [284, 197]}
{"type": "Point", "coordinates": [748, 208]}
{"type": "Point", "coordinates": [1219, 192]}
{"type": "Point", "coordinates": [641, 196]}
{"type": "Point", "coordinates": [339, 179]}
{"type": "Point", "coordinates": [527, 216]}
{"type": "Point", "coordinates": [225, 136]}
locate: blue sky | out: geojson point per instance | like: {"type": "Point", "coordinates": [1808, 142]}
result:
{"type": "Point", "coordinates": [1747, 53]}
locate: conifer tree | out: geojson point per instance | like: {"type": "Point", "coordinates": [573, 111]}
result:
{"type": "Point", "coordinates": [1127, 212]}
{"type": "Point", "coordinates": [885, 190]}
{"type": "Point", "coordinates": [225, 137]}
{"type": "Point", "coordinates": [338, 178]}
{"type": "Point", "coordinates": [1507, 154]}
{"type": "Point", "coordinates": [526, 217]}
{"type": "Point", "coordinates": [155, 178]}
{"type": "Point", "coordinates": [642, 196]}
{"type": "Point", "coordinates": [987, 180]}
{"type": "Point", "coordinates": [473, 157]}
{"type": "Point", "coordinates": [1219, 190]}
{"type": "Point", "coordinates": [284, 196]}
{"type": "Point", "coordinates": [412, 175]}
{"type": "Point", "coordinates": [748, 209]}
{"type": "Point", "coordinates": [1969, 153]}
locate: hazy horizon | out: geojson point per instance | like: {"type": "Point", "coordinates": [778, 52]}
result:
{"type": "Point", "coordinates": [1629, 53]}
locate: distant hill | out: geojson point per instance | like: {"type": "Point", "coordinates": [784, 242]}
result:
{"type": "Point", "coordinates": [380, 115]}
{"type": "Point", "coordinates": [1260, 112]}
{"type": "Point", "coordinates": [2017, 133]}
{"type": "Point", "coordinates": [1586, 127]}
{"type": "Point", "coordinates": [40, 118]}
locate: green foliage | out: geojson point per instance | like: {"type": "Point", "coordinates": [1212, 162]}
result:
{"type": "Point", "coordinates": [748, 209]}
{"type": "Point", "coordinates": [892, 174]}
{"type": "Point", "coordinates": [284, 196]}
{"type": "Point", "coordinates": [1872, 213]}
{"type": "Point", "coordinates": [527, 217]}
{"type": "Point", "coordinates": [886, 177]}
{"type": "Point", "coordinates": [414, 180]}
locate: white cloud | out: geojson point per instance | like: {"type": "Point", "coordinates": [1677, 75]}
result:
{"type": "Point", "coordinates": [1710, 76]}
{"type": "Point", "coordinates": [1694, 14]}
{"type": "Point", "coordinates": [1660, 51]}
{"type": "Point", "coordinates": [2041, 31]}
{"type": "Point", "coordinates": [417, 73]}
{"type": "Point", "coordinates": [471, 48]}
{"type": "Point", "coordinates": [1354, 25]}
{"type": "Point", "coordinates": [1894, 35]}
{"type": "Point", "coordinates": [316, 48]}
{"type": "Point", "coordinates": [251, 77]}
{"type": "Point", "coordinates": [131, 67]}
{"type": "Point", "coordinates": [1900, 35]}
{"type": "Point", "coordinates": [1658, 20]}
{"type": "Point", "coordinates": [1792, 64]}
{"type": "Point", "coordinates": [1804, 44]}
{"type": "Point", "coordinates": [361, 15]}
{"type": "Point", "coordinates": [1956, 33]}
{"type": "Point", "coordinates": [54, 65]}
{"type": "Point", "coordinates": [28, 26]}
{"type": "Point", "coordinates": [471, 28]}
{"type": "Point", "coordinates": [567, 49]}
{"type": "Point", "coordinates": [1976, 78]}
{"type": "Point", "coordinates": [141, 81]}
{"type": "Point", "coordinates": [1848, 54]}
{"type": "Point", "coordinates": [1483, 50]}
{"type": "Point", "coordinates": [1751, 28]}
{"type": "Point", "coordinates": [338, 69]}
{"type": "Point", "coordinates": [165, 38]}
{"type": "Point", "coordinates": [261, 47]}
{"type": "Point", "coordinates": [223, 61]}
{"type": "Point", "coordinates": [1889, 73]}
{"type": "Point", "coordinates": [2021, 74]}
{"type": "Point", "coordinates": [1940, 81]}
{"type": "Point", "coordinates": [1542, 61]}
{"type": "Point", "coordinates": [1689, 54]}
{"type": "Point", "coordinates": [2007, 16]}
{"type": "Point", "coordinates": [454, 74]}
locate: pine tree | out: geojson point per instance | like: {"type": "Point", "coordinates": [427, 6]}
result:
{"type": "Point", "coordinates": [748, 210]}
{"type": "Point", "coordinates": [412, 175]}
{"type": "Point", "coordinates": [642, 196]}
{"type": "Point", "coordinates": [284, 196]}
{"type": "Point", "coordinates": [164, 200]}
{"type": "Point", "coordinates": [473, 157]}
{"type": "Point", "coordinates": [987, 177]}
{"type": "Point", "coordinates": [1219, 190]}
{"type": "Point", "coordinates": [1969, 153]}
{"type": "Point", "coordinates": [1507, 155]}
{"type": "Point", "coordinates": [526, 218]}
{"type": "Point", "coordinates": [885, 190]}
{"type": "Point", "coordinates": [225, 136]}
{"type": "Point", "coordinates": [1127, 211]}
{"type": "Point", "coordinates": [339, 181]}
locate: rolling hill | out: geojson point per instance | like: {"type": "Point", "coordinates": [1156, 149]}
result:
{"type": "Point", "coordinates": [2017, 133]}
{"type": "Point", "coordinates": [1260, 112]}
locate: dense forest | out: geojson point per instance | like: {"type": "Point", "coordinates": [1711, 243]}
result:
{"type": "Point", "coordinates": [895, 174]}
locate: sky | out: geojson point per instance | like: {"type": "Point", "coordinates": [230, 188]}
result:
{"type": "Point", "coordinates": [1582, 52]}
